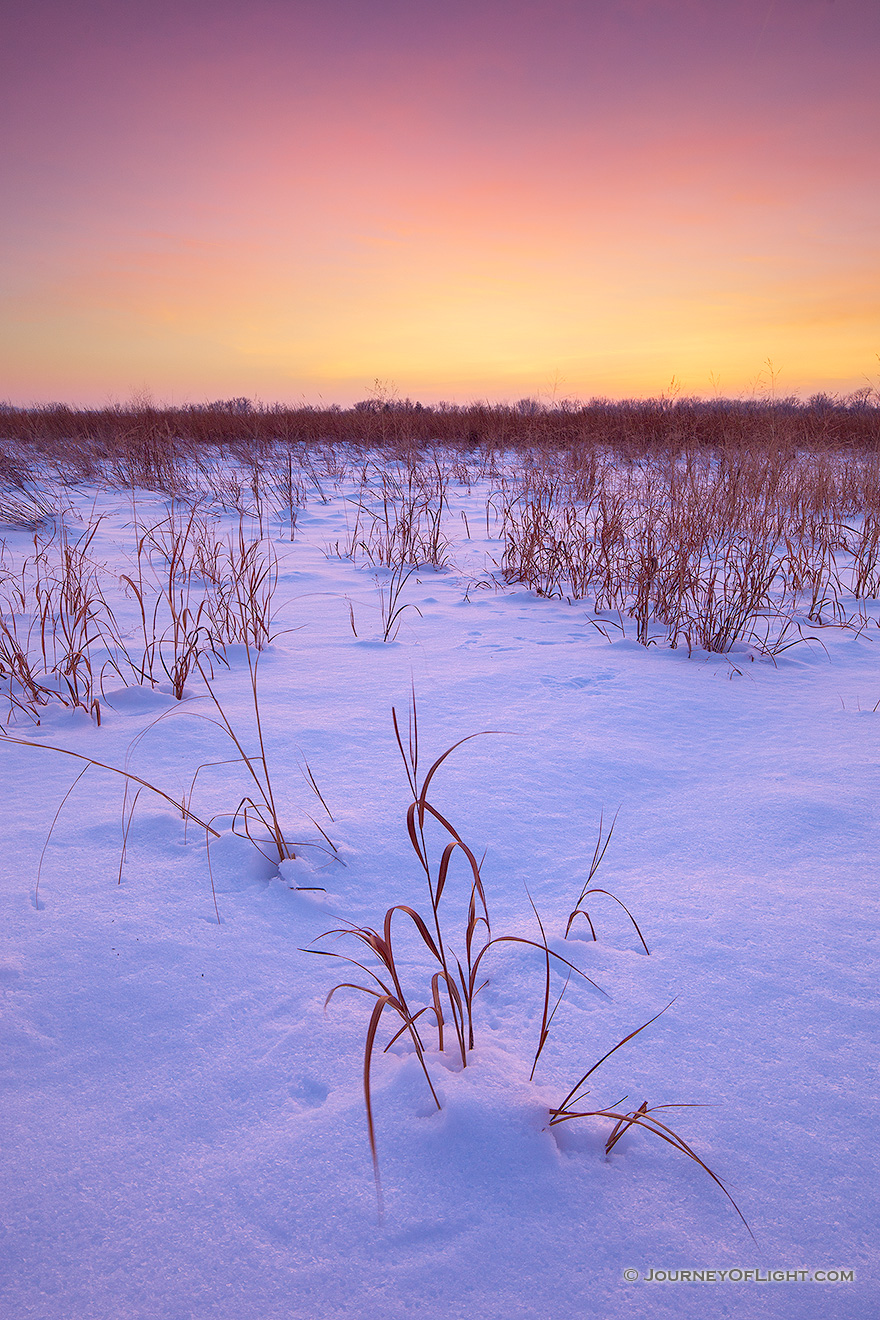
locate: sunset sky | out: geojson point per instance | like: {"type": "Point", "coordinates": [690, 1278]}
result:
{"type": "Point", "coordinates": [289, 199]}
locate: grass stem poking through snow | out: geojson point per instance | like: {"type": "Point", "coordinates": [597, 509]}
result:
{"type": "Point", "coordinates": [260, 806]}
{"type": "Point", "coordinates": [390, 604]}
{"type": "Point", "coordinates": [641, 1117]}
{"type": "Point", "coordinates": [580, 911]}
{"type": "Point", "coordinates": [447, 976]}
{"type": "Point", "coordinates": [129, 777]}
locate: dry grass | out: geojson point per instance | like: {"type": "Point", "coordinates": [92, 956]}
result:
{"type": "Point", "coordinates": [51, 623]}
{"type": "Point", "coordinates": [642, 1117]}
{"type": "Point", "coordinates": [452, 981]}
{"type": "Point", "coordinates": [588, 888]}
{"type": "Point", "coordinates": [257, 810]}
{"type": "Point", "coordinates": [399, 515]}
{"type": "Point", "coordinates": [155, 448]}
{"type": "Point", "coordinates": [452, 977]}
{"type": "Point", "coordinates": [255, 817]}
{"type": "Point", "coordinates": [391, 607]}
{"type": "Point", "coordinates": [244, 579]}
{"type": "Point", "coordinates": [60, 634]}
{"type": "Point", "coordinates": [703, 550]}
{"type": "Point", "coordinates": [704, 524]}
{"type": "Point", "coordinates": [129, 778]}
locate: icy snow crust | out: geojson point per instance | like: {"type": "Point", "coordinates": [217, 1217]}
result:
{"type": "Point", "coordinates": [183, 1126]}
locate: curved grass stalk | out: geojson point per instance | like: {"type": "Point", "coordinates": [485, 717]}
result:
{"type": "Point", "coordinates": [642, 1118]}
{"type": "Point", "coordinates": [115, 770]}
{"type": "Point", "coordinates": [579, 911]}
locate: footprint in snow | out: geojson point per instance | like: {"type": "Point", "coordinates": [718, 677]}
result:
{"type": "Point", "coordinates": [309, 1092]}
{"type": "Point", "coordinates": [594, 681]}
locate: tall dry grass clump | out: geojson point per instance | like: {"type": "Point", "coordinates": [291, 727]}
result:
{"type": "Point", "coordinates": [701, 550]}
{"type": "Point", "coordinates": [441, 1008]}
{"type": "Point", "coordinates": [454, 957]}
{"type": "Point", "coordinates": [398, 518]}
{"type": "Point", "coordinates": [52, 619]}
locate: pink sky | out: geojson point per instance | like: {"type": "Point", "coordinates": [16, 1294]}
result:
{"type": "Point", "coordinates": [289, 200]}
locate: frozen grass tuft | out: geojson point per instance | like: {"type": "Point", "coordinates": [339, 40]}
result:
{"type": "Point", "coordinates": [445, 1000]}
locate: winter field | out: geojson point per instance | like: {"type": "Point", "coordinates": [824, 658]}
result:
{"type": "Point", "coordinates": [682, 647]}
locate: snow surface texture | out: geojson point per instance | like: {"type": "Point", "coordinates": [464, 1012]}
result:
{"type": "Point", "coordinates": [183, 1127]}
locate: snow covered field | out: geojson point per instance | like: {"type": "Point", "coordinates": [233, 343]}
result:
{"type": "Point", "coordinates": [183, 1126]}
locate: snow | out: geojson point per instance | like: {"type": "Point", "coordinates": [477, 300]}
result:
{"type": "Point", "coordinates": [183, 1125]}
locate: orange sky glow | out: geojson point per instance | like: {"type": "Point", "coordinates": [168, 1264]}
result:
{"type": "Point", "coordinates": [290, 200]}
